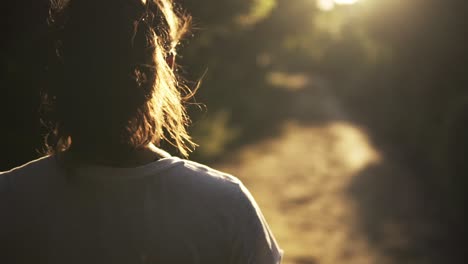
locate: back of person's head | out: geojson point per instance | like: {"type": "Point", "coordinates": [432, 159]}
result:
{"type": "Point", "coordinates": [111, 88]}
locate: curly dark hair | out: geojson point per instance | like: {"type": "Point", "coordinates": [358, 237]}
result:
{"type": "Point", "coordinates": [110, 86]}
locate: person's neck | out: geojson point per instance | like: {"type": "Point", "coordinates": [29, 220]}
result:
{"type": "Point", "coordinates": [124, 159]}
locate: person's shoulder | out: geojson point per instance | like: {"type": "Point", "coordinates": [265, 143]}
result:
{"type": "Point", "coordinates": [226, 195]}
{"type": "Point", "coordinates": [205, 179]}
{"type": "Point", "coordinates": [205, 172]}
{"type": "Point", "coordinates": [33, 165]}
{"type": "Point", "coordinates": [27, 172]}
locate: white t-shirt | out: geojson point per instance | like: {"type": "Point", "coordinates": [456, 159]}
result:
{"type": "Point", "coordinates": [168, 211]}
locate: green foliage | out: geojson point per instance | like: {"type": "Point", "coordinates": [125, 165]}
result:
{"type": "Point", "coordinates": [385, 60]}
{"type": "Point", "coordinates": [239, 44]}
{"type": "Point", "coordinates": [215, 132]}
{"type": "Point", "coordinates": [260, 10]}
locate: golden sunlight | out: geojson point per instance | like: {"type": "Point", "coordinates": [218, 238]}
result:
{"type": "Point", "coordinates": [328, 5]}
{"type": "Point", "coordinates": [346, 2]}
{"type": "Point", "coordinates": [301, 180]}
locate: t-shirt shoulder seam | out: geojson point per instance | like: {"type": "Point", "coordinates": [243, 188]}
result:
{"type": "Point", "coordinates": [8, 182]}
{"type": "Point", "coordinates": [27, 164]}
{"type": "Point", "coordinates": [221, 174]}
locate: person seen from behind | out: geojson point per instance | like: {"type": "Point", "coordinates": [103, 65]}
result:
{"type": "Point", "coordinates": [106, 192]}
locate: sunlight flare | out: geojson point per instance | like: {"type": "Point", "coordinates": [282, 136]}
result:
{"type": "Point", "coordinates": [328, 5]}
{"type": "Point", "coordinates": [346, 2]}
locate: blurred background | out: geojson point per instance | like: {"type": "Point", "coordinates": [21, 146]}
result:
{"type": "Point", "coordinates": [347, 119]}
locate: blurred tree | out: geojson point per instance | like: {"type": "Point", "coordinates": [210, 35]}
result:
{"type": "Point", "coordinates": [397, 65]}
{"type": "Point", "coordinates": [238, 45]}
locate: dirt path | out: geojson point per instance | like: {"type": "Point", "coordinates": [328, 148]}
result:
{"type": "Point", "coordinates": [332, 197]}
